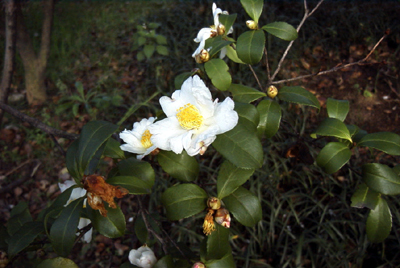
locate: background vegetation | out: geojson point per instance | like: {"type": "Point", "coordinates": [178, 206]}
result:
{"type": "Point", "coordinates": [307, 218]}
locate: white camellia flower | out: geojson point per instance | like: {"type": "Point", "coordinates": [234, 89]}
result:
{"type": "Point", "coordinates": [138, 139]}
{"type": "Point", "coordinates": [193, 119]}
{"type": "Point", "coordinates": [142, 257]}
{"type": "Point", "coordinates": [75, 194]}
{"type": "Point", "coordinates": [212, 31]}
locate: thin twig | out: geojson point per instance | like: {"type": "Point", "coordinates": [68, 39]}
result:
{"type": "Point", "coordinates": [16, 168]}
{"type": "Point", "coordinates": [255, 75]}
{"type": "Point", "coordinates": [20, 181]}
{"type": "Point", "coordinates": [267, 64]}
{"type": "Point", "coordinates": [58, 145]}
{"type": "Point", "coordinates": [307, 14]}
{"type": "Point", "coordinates": [37, 123]}
{"type": "Point", "coordinates": [334, 69]}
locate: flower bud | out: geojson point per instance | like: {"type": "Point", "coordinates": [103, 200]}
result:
{"type": "Point", "coordinates": [221, 29]}
{"type": "Point", "coordinates": [272, 91]}
{"type": "Point", "coordinates": [214, 203]}
{"type": "Point", "coordinates": [223, 218]}
{"type": "Point", "coordinates": [203, 56]}
{"type": "Point", "coordinates": [252, 25]}
{"type": "Point", "coordinates": [198, 265]}
{"type": "Point", "coordinates": [4, 259]}
{"type": "Point", "coordinates": [142, 257]}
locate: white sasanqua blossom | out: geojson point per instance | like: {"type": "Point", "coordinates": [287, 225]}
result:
{"type": "Point", "coordinates": [142, 257]}
{"type": "Point", "coordinates": [193, 119]}
{"type": "Point", "coordinates": [212, 31]}
{"type": "Point", "coordinates": [138, 139]}
{"type": "Point", "coordinates": [75, 194]}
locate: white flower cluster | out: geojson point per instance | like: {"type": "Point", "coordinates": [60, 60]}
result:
{"type": "Point", "coordinates": [192, 123]}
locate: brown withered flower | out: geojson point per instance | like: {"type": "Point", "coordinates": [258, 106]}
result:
{"type": "Point", "coordinates": [99, 191]}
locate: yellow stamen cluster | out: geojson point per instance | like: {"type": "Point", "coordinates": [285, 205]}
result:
{"type": "Point", "coordinates": [145, 140]}
{"type": "Point", "coordinates": [208, 225]}
{"type": "Point", "coordinates": [189, 117]}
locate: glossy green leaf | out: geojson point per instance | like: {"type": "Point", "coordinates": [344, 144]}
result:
{"type": "Point", "coordinates": [381, 178]}
{"type": "Point", "coordinates": [379, 222]}
{"type": "Point", "coordinates": [230, 178]}
{"type": "Point", "coordinates": [24, 237]}
{"type": "Point", "coordinates": [244, 206]}
{"type": "Point", "coordinates": [132, 184]}
{"type": "Point", "coordinates": [227, 21]}
{"type": "Point", "coordinates": [396, 170]}
{"type": "Point", "coordinates": [184, 200]}
{"type": "Point", "coordinates": [148, 50]}
{"type": "Point", "coordinates": [225, 262]}
{"type": "Point", "coordinates": [248, 115]}
{"type": "Point", "coordinates": [282, 30]}
{"type": "Point", "coordinates": [71, 161]}
{"type": "Point", "coordinates": [4, 236]}
{"type": "Point", "coordinates": [137, 168]}
{"type": "Point", "coordinates": [365, 197]}
{"type": "Point", "coordinates": [180, 166]}
{"type": "Point", "coordinates": [241, 147]}
{"type": "Point", "coordinates": [245, 94]}
{"type": "Point", "coordinates": [387, 142]}
{"type": "Point", "coordinates": [353, 130]}
{"type": "Point", "coordinates": [333, 157]}
{"type": "Point", "coordinates": [217, 70]}
{"type": "Point", "coordinates": [19, 216]}
{"type": "Point", "coordinates": [298, 95]}
{"type": "Point", "coordinates": [270, 118]}
{"type": "Point", "coordinates": [218, 243]}
{"type": "Point", "coordinates": [216, 44]}
{"type": "Point", "coordinates": [62, 232]}
{"type": "Point", "coordinates": [112, 226]}
{"type": "Point", "coordinates": [232, 55]}
{"type": "Point", "coordinates": [359, 135]}
{"type": "Point", "coordinates": [113, 149]}
{"type": "Point", "coordinates": [165, 262]}
{"type": "Point", "coordinates": [333, 127]}
{"type": "Point", "coordinates": [253, 8]}
{"type": "Point", "coordinates": [250, 46]}
{"type": "Point", "coordinates": [57, 263]}
{"type": "Point", "coordinates": [337, 108]}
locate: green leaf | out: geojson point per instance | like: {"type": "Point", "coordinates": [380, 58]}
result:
{"type": "Point", "coordinates": [353, 130]}
{"type": "Point", "coordinates": [270, 118]}
{"type": "Point", "coordinates": [241, 147]}
{"type": "Point", "coordinates": [161, 40]}
{"type": "Point", "coordinates": [298, 95]}
{"type": "Point", "coordinates": [396, 170]}
{"type": "Point", "coordinates": [148, 50]}
{"type": "Point", "coordinates": [359, 135]}
{"type": "Point", "coordinates": [379, 222]}
{"type": "Point", "coordinates": [180, 78]}
{"type": "Point", "coordinates": [250, 46]}
{"type": "Point", "coordinates": [244, 206]}
{"type": "Point", "coordinates": [216, 44]}
{"type": "Point", "coordinates": [365, 197]}
{"type": "Point", "coordinates": [162, 50]}
{"type": "Point", "coordinates": [333, 127]}
{"type": "Point", "coordinates": [217, 70]}
{"type": "Point", "coordinates": [140, 56]}
{"type": "Point", "coordinates": [139, 169]}
{"type": "Point", "coordinates": [62, 232]}
{"type": "Point", "coordinates": [281, 30]}
{"type": "Point", "coordinates": [381, 178]}
{"type": "Point", "coordinates": [19, 216]}
{"type": "Point", "coordinates": [227, 21]}
{"type": "Point", "coordinates": [24, 237]}
{"type": "Point", "coordinates": [180, 166]}
{"type": "Point", "coordinates": [165, 262]}
{"type": "Point", "coordinates": [225, 262]}
{"type": "Point", "coordinates": [253, 8]}
{"type": "Point", "coordinates": [337, 108]}
{"type": "Point", "coordinates": [245, 94]}
{"type": "Point", "coordinates": [4, 236]}
{"type": "Point", "coordinates": [141, 230]}
{"type": "Point", "coordinates": [141, 40]}
{"type": "Point", "coordinates": [218, 243]}
{"type": "Point", "coordinates": [333, 157]}
{"type": "Point", "coordinates": [387, 142]}
{"type": "Point", "coordinates": [232, 55]}
{"type": "Point", "coordinates": [230, 178]}
{"type": "Point", "coordinates": [113, 149]}
{"type": "Point", "coordinates": [72, 161]}
{"type": "Point", "coordinates": [184, 200]}
{"type": "Point", "coordinates": [132, 184]}
{"type": "Point", "coordinates": [248, 115]}
{"type": "Point", "coordinates": [112, 226]}
{"type": "Point", "coordinates": [57, 263]}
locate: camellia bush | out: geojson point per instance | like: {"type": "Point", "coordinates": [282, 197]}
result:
{"type": "Point", "coordinates": [191, 122]}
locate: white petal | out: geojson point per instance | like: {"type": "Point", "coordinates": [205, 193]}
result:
{"type": "Point", "coordinates": [223, 53]}
{"type": "Point", "coordinates": [83, 222]}
{"type": "Point", "coordinates": [66, 184]}
{"type": "Point", "coordinates": [225, 116]}
{"type": "Point", "coordinates": [163, 131]}
{"type": "Point", "coordinates": [170, 106]}
{"type": "Point", "coordinates": [201, 38]}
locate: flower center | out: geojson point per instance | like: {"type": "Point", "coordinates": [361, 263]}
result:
{"type": "Point", "coordinates": [189, 117]}
{"type": "Point", "coordinates": [145, 140]}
